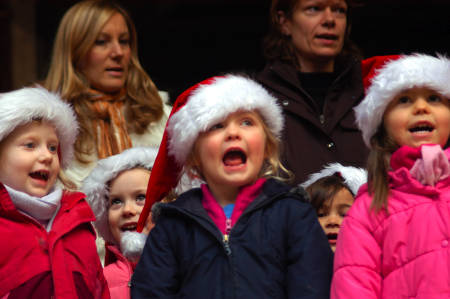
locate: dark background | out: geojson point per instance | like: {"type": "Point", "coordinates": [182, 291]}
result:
{"type": "Point", "coordinates": [184, 41]}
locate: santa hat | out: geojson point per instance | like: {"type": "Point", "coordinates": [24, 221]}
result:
{"type": "Point", "coordinates": [195, 111]}
{"type": "Point", "coordinates": [386, 76]}
{"type": "Point", "coordinates": [24, 105]}
{"type": "Point", "coordinates": [95, 186]}
{"type": "Point", "coordinates": [353, 177]}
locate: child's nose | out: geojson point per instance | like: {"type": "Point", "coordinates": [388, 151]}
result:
{"type": "Point", "coordinates": [128, 208]}
{"type": "Point", "coordinates": [421, 105]}
{"type": "Point", "coordinates": [45, 155]}
{"type": "Point", "coordinates": [232, 132]}
{"type": "Point", "coordinates": [333, 221]}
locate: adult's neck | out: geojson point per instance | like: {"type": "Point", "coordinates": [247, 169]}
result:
{"type": "Point", "coordinates": [316, 66]}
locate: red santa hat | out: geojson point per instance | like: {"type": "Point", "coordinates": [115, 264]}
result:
{"type": "Point", "coordinates": [353, 177]}
{"type": "Point", "coordinates": [24, 105]}
{"type": "Point", "coordinates": [385, 77]}
{"type": "Point", "coordinates": [195, 111]}
{"type": "Point", "coordinates": [95, 186]}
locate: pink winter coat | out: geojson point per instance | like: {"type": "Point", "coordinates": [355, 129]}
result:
{"type": "Point", "coordinates": [401, 254]}
{"type": "Point", "coordinates": [118, 274]}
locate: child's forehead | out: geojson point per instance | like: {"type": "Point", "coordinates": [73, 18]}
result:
{"type": "Point", "coordinates": [37, 126]}
{"type": "Point", "coordinates": [243, 113]}
{"type": "Point", "coordinates": [420, 89]}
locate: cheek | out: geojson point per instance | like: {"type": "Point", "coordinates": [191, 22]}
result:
{"type": "Point", "coordinates": [91, 62]}
{"type": "Point", "coordinates": [113, 219]}
{"type": "Point", "coordinates": [257, 144]}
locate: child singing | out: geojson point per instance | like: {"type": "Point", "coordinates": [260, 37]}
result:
{"type": "Point", "coordinates": [47, 240]}
{"type": "Point", "coordinates": [394, 242]}
{"type": "Point", "coordinates": [115, 189]}
{"type": "Point", "coordinates": [243, 234]}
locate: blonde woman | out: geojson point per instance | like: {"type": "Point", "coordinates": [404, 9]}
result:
{"type": "Point", "coordinates": [95, 68]}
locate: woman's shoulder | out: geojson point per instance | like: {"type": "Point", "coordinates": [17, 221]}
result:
{"type": "Point", "coordinates": [154, 132]}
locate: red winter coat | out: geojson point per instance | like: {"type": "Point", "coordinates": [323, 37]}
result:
{"type": "Point", "coordinates": [63, 262]}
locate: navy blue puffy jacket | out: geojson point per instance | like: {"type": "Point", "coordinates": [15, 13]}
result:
{"type": "Point", "coordinates": [276, 249]}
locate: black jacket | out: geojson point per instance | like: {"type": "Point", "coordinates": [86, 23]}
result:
{"type": "Point", "coordinates": [312, 139]}
{"type": "Point", "coordinates": [276, 249]}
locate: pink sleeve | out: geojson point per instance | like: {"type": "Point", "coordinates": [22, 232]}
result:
{"type": "Point", "coordinates": [357, 263]}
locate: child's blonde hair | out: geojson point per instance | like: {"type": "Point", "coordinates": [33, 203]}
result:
{"type": "Point", "coordinates": [385, 77]}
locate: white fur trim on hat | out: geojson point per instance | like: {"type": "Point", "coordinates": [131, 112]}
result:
{"type": "Point", "coordinates": [132, 244]}
{"type": "Point", "coordinates": [24, 105]}
{"type": "Point", "coordinates": [212, 103]}
{"type": "Point", "coordinates": [95, 186]}
{"type": "Point", "coordinates": [353, 177]}
{"type": "Point", "coordinates": [404, 73]}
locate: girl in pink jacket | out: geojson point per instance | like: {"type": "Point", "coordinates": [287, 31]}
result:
{"type": "Point", "coordinates": [115, 190]}
{"type": "Point", "coordinates": [394, 242]}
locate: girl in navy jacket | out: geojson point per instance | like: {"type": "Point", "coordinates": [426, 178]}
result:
{"type": "Point", "coordinates": [243, 234]}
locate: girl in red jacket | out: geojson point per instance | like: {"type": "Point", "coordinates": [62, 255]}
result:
{"type": "Point", "coordinates": [115, 190]}
{"type": "Point", "coordinates": [394, 241]}
{"type": "Point", "coordinates": [47, 245]}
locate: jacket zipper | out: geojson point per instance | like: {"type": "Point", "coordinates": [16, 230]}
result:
{"type": "Point", "coordinates": [226, 237]}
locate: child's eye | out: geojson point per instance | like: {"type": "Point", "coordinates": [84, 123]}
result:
{"type": "Point", "coordinates": [216, 127]}
{"type": "Point", "coordinates": [53, 148]}
{"type": "Point", "coordinates": [140, 198]}
{"type": "Point", "coordinates": [29, 145]}
{"type": "Point", "coordinates": [343, 211]}
{"type": "Point", "coordinates": [434, 98]}
{"type": "Point", "coordinates": [247, 122]}
{"type": "Point", "coordinates": [404, 100]}
{"type": "Point", "coordinates": [115, 202]}
{"type": "Point", "coordinates": [321, 213]}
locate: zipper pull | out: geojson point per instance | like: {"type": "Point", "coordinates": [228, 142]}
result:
{"type": "Point", "coordinates": [228, 226]}
{"type": "Point", "coordinates": [226, 244]}
{"type": "Point", "coordinates": [226, 237]}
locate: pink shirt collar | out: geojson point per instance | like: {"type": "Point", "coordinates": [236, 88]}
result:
{"type": "Point", "coordinates": [246, 195]}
